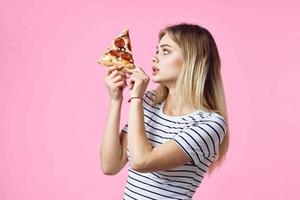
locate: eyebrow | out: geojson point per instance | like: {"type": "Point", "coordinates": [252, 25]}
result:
{"type": "Point", "coordinates": [163, 45]}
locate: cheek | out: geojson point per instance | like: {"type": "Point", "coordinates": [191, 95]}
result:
{"type": "Point", "coordinates": [173, 60]}
{"type": "Point", "coordinates": [171, 64]}
{"type": "Point", "coordinates": [171, 71]}
{"type": "Point", "coordinates": [177, 63]}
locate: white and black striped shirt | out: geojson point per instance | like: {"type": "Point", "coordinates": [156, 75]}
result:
{"type": "Point", "coordinates": [199, 135]}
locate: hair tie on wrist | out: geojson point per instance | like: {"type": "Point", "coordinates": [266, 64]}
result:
{"type": "Point", "coordinates": [135, 97]}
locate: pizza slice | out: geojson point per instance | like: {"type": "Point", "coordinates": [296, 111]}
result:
{"type": "Point", "coordinates": [119, 52]}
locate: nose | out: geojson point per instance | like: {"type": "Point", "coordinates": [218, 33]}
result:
{"type": "Point", "coordinates": [154, 59]}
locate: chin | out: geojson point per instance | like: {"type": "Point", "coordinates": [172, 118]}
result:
{"type": "Point", "coordinates": [155, 79]}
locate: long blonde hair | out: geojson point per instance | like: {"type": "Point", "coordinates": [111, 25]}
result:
{"type": "Point", "coordinates": [199, 83]}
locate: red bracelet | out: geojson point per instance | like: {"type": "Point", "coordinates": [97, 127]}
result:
{"type": "Point", "coordinates": [135, 97]}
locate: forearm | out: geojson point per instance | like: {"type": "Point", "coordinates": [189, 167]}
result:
{"type": "Point", "coordinates": [110, 150]}
{"type": "Point", "coordinates": [138, 143]}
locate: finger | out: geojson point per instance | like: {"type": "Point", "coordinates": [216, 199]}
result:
{"type": "Point", "coordinates": [122, 87]}
{"type": "Point", "coordinates": [138, 73]}
{"type": "Point", "coordinates": [115, 73]}
{"type": "Point", "coordinates": [124, 83]}
{"type": "Point", "coordinates": [130, 85]}
{"type": "Point", "coordinates": [111, 68]}
{"type": "Point", "coordinates": [129, 70]}
{"type": "Point", "coordinates": [128, 81]}
{"type": "Point", "coordinates": [131, 82]}
{"type": "Point", "coordinates": [117, 78]}
{"type": "Point", "coordinates": [137, 70]}
{"type": "Point", "coordinates": [141, 69]}
{"type": "Point", "coordinates": [127, 76]}
{"type": "Point", "coordinates": [138, 76]}
{"type": "Point", "coordinates": [134, 79]}
{"type": "Point", "coordinates": [119, 83]}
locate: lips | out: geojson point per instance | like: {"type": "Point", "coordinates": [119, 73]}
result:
{"type": "Point", "coordinates": [154, 69]}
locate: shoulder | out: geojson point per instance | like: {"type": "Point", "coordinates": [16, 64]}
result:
{"type": "Point", "coordinates": [216, 117]}
{"type": "Point", "coordinates": [206, 117]}
{"type": "Point", "coordinates": [212, 121]}
{"type": "Point", "coordinates": [150, 92]}
{"type": "Point", "coordinates": [149, 95]}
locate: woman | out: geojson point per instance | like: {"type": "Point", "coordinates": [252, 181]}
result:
{"type": "Point", "coordinates": [175, 133]}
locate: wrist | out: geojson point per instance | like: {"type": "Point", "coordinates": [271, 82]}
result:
{"type": "Point", "coordinates": [116, 101]}
{"type": "Point", "coordinates": [135, 98]}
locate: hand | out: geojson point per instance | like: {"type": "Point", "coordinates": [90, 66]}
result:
{"type": "Point", "coordinates": [115, 82]}
{"type": "Point", "coordinates": [138, 82]}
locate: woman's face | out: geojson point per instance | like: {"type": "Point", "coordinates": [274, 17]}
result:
{"type": "Point", "coordinates": [167, 62]}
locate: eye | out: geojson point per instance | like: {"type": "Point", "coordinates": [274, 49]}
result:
{"type": "Point", "coordinates": [164, 50]}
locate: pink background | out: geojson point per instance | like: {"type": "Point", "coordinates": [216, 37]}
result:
{"type": "Point", "coordinates": [53, 101]}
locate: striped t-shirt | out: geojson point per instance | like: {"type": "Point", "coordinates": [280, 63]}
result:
{"type": "Point", "coordinates": [199, 135]}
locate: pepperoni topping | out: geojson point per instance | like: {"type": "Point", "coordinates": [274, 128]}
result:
{"type": "Point", "coordinates": [126, 56]}
{"type": "Point", "coordinates": [121, 50]}
{"type": "Point", "coordinates": [119, 42]}
{"type": "Point", "coordinates": [115, 53]}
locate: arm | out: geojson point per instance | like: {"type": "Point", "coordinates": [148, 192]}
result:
{"type": "Point", "coordinates": [198, 144]}
{"type": "Point", "coordinates": [138, 143]}
{"type": "Point", "coordinates": [145, 158]}
{"type": "Point", "coordinates": [111, 148]}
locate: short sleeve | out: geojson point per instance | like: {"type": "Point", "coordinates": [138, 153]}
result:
{"type": "Point", "coordinates": [125, 128]}
{"type": "Point", "coordinates": [201, 141]}
{"type": "Point", "coordinates": [147, 99]}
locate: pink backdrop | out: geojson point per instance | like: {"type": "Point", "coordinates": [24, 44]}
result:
{"type": "Point", "coordinates": [53, 101]}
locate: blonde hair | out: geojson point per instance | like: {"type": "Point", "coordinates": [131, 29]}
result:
{"type": "Point", "coordinates": [199, 82]}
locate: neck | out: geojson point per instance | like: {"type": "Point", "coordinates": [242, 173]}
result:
{"type": "Point", "coordinates": [174, 107]}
